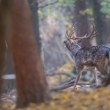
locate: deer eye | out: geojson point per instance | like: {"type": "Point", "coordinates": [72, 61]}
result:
{"type": "Point", "coordinates": [64, 42]}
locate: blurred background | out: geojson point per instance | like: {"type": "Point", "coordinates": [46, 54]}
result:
{"type": "Point", "coordinates": [51, 18]}
{"type": "Point", "coordinates": [56, 15]}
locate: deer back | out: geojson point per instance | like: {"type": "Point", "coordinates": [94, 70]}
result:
{"type": "Point", "coordinates": [91, 55]}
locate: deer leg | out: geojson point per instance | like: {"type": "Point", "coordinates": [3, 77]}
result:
{"type": "Point", "coordinates": [93, 80]}
{"type": "Point", "coordinates": [77, 78]}
{"type": "Point", "coordinates": [95, 74]}
{"type": "Point", "coordinates": [97, 82]}
{"type": "Point", "coordinates": [100, 78]}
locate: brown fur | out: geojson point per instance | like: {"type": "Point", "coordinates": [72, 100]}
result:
{"type": "Point", "coordinates": [97, 57]}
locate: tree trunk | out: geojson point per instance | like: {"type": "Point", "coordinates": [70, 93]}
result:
{"type": "Point", "coordinates": [3, 33]}
{"type": "Point", "coordinates": [35, 21]}
{"type": "Point", "coordinates": [99, 19]}
{"type": "Point", "coordinates": [2, 47]}
{"type": "Point", "coordinates": [30, 79]}
{"type": "Point", "coordinates": [81, 21]}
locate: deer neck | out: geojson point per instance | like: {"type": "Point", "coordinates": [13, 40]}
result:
{"type": "Point", "coordinates": [75, 49]}
{"type": "Point", "coordinates": [72, 48]}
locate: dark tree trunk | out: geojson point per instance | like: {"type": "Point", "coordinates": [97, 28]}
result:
{"type": "Point", "coordinates": [2, 47]}
{"type": "Point", "coordinates": [3, 33]}
{"type": "Point", "coordinates": [81, 20]}
{"type": "Point", "coordinates": [35, 21]}
{"type": "Point", "coordinates": [30, 79]}
{"type": "Point", "coordinates": [100, 23]}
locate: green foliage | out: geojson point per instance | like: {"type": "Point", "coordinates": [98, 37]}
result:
{"type": "Point", "coordinates": [66, 3]}
{"type": "Point", "coordinates": [40, 13]}
{"type": "Point", "coordinates": [88, 11]}
{"type": "Point", "coordinates": [61, 6]}
{"type": "Point", "coordinates": [105, 6]}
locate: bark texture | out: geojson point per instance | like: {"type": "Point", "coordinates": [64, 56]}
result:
{"type": "Point", "coordinates": [30, 79]}
{"type": "Point", "coordinates": [81, 21]}
{"type": "Point", "coordinates": [3, 34]}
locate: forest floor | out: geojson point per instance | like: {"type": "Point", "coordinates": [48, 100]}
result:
{"type": "Point", "coordinates": [97, 99]}
{"type": "Point", "coordinates": [88, 99]}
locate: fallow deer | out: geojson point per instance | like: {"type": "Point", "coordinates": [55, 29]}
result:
{"type": "Point", "coordinates": [97, 57]}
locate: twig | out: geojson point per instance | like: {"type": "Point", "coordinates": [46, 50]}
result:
{"type": "Point", "coordinates": [62, 73]}
{"type": "Point", "coordinates": [59, 88]}
{"type": "Point", "coordinates": [67, 85]}
{"type": "Point", "coordinates": [52, 3]}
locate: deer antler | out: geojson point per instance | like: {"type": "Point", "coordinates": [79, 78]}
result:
{"type": "Point", "coordinates": [86, 36]}
{"type": "Point", "coordinates": [70, 34]}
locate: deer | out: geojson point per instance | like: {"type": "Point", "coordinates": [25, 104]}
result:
{"type": "Point", "coordinates": [95, 57]}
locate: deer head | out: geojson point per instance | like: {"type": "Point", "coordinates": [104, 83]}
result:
{"type": "Point", "coordinates": [72, 42]}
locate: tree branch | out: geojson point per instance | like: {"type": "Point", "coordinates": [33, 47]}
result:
{"type": "Point", "coordinates": [62, 73]}
{"type": "Point", "coordinates": [52, 3]}
{"type": "Point", "coordinates": [67, 85]}
{"type": "Point", "coordinates": [45, 5]}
